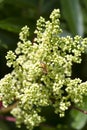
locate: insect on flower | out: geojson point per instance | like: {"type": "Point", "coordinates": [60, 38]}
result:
{"type": "Point", "coordinates": [44, 67]}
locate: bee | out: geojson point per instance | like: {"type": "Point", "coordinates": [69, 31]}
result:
{"type": "Point", "coordinates": [44, 67]}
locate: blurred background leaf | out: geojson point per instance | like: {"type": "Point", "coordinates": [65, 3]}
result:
{"type": "Point", "coordinates": [3, 126]}
{"type": "Point", "coordinates": [79, 119]}
{"type": "Point", "coordinates": [1, 1]}
{"type": "Point", "coordinates": [73, 14]}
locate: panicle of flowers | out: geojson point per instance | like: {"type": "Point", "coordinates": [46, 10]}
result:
{"type": "Point", "coordinates": [41, 74]}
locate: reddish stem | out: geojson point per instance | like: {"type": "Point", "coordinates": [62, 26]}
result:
{"type": "Point", "coordinates": [76, 108]}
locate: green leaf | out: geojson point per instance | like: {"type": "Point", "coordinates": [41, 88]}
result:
{"type": "Point", "coordinates": [3, 45]}
{"type": "Point", "coordinates": [79, 118]}
{"type": "Point", "coordinates": [22, 3]}
{"type": "Point", "coordinates": [85, 3]}
{"type": "Point", "coordinates": [73, 14]}
{"type": "Point", "coordinates": [47, 128]}
{"type": "Point", "coordinates": [15, 24]}
{"type": "Point", "coordinates": [65, 33]}
{"type": "Point", "coordinates": [47, 6]}
{"type": "Point", "coordinates": [11, 25]}
{"type": "Point", "coordinates": [7, 40]}
{"type": "Point", "coordinates": [1, 1]}
{"type": "Point", "coordinates": [3, 126]}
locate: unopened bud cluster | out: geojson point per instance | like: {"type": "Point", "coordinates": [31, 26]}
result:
{"type": "Point", "coordinates": [41, 74]}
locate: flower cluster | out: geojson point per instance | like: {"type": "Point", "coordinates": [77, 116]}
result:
{"type": "Point", "coordinates": [42, 72]}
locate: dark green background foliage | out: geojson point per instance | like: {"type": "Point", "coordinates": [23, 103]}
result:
{"type": "Point", "coordinates": [14, 14]}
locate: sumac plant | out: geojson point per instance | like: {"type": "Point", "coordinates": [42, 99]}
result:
{"type": "Point", "coordinates": [42, 73]}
